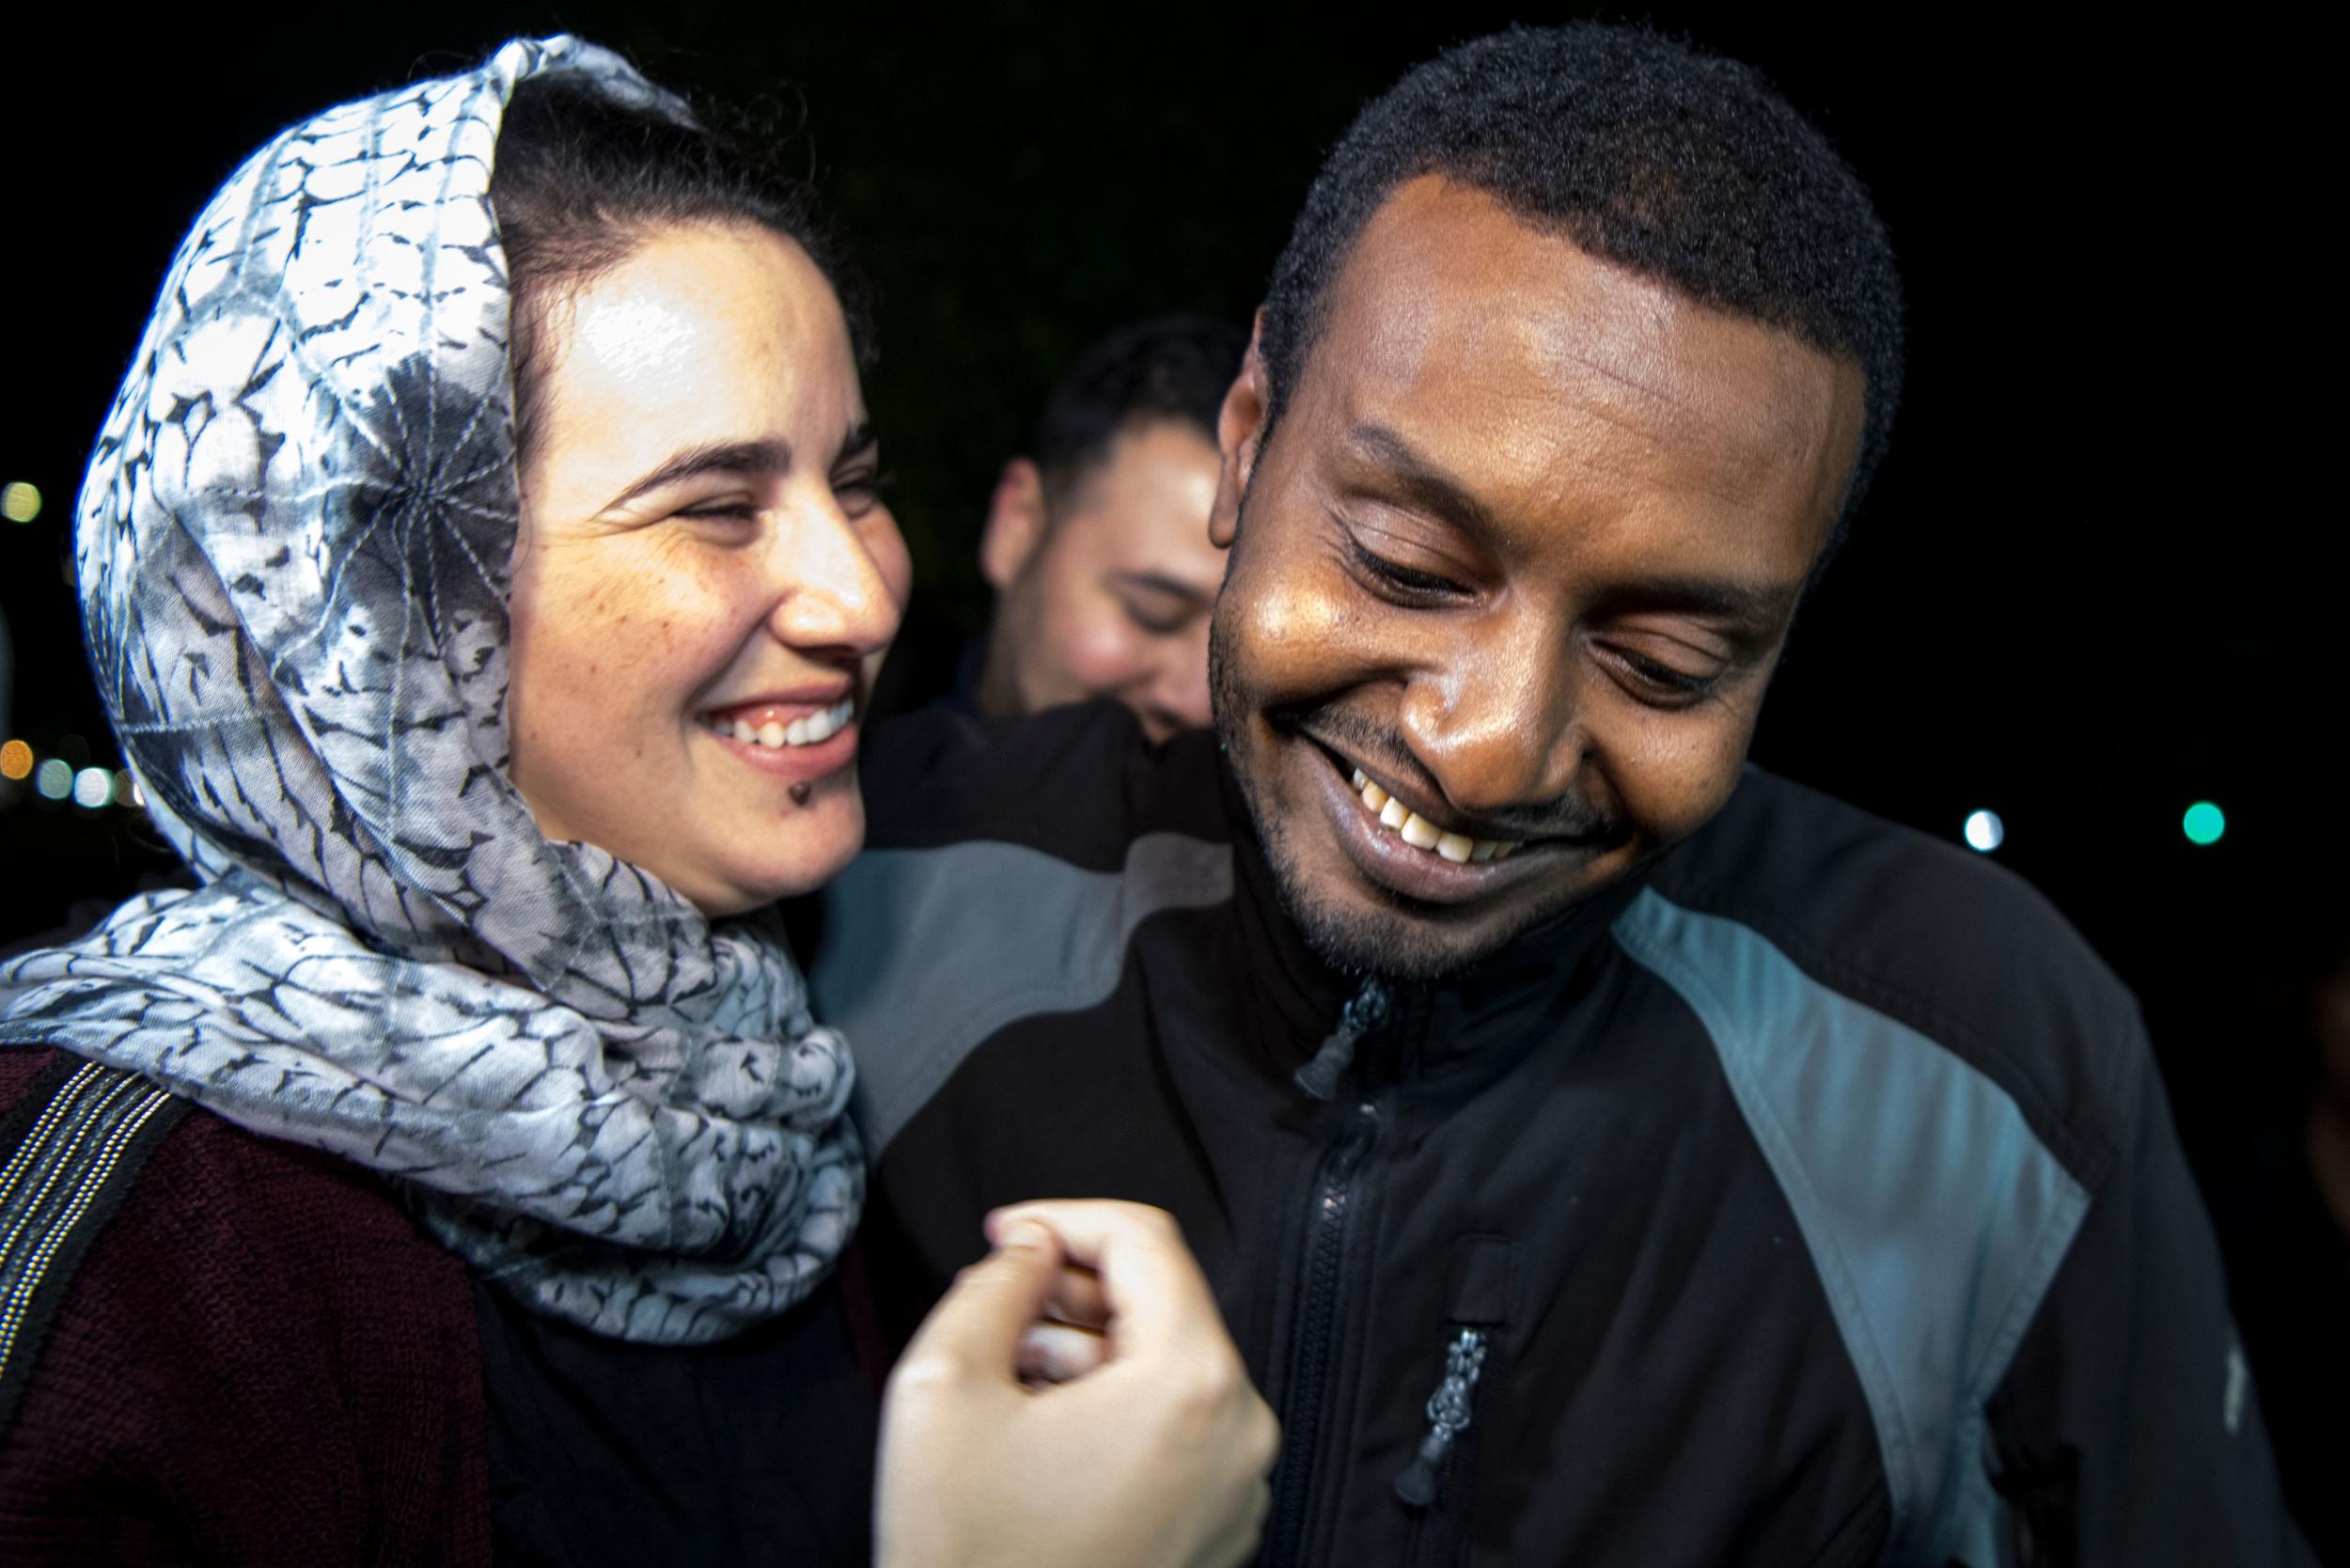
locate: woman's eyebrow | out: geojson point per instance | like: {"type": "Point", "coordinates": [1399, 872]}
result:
{"type": "Point", "coordinates": [860, 435]}
{"type": "Point", "coordinates": [720, 457]}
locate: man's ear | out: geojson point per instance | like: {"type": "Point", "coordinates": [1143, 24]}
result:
{"type": "Point", "coordinates": [1239, 434]}
{"type": "Point", "coordinates": [1015, 523]}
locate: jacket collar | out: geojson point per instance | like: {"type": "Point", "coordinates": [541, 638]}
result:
{"type": "Point", "coordinates": [1298, 995]}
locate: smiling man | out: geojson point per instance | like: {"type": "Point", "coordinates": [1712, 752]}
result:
{"type": "Point", "coordinates": [1603, 1150]}
{"type": "Point", "coordinates": [1097, 545]}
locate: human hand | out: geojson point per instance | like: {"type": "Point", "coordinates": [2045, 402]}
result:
{"type": "Point", "coordinates": [1156, 1458]}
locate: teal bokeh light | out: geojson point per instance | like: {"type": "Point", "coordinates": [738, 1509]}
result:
{"type": "Point", "coordinates": [2203, 823]}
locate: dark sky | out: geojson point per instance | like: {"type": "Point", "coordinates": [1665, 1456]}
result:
{"type": "Point", "coordinates": [2085, 593]}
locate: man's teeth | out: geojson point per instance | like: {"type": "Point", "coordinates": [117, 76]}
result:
{"type": "Point", "coordinates": [1421, 834]}
{"type": "Point", "coordinates": [775, 734]}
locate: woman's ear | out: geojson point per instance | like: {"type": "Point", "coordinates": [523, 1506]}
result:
{"type": "Point", "coordinates": [1239, 435]}
{"type": "Point", "coordinates": [1015, 523]}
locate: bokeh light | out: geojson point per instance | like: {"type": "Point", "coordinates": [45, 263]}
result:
{"type": "Point", "coordinates": [20, 501]}
{"type": "Point", "coordinates": [2203, 823]}
{"type": "Point", "coordinates": [127, 792]}
{"type": "Point", "coordinates": [93, 788]}
{"type": "Point", "coordinates": [16, 761]}
{"type": "Point", "coordinates": [1984, 831]}
{"type": "Point", "coordinates": [53, 779]}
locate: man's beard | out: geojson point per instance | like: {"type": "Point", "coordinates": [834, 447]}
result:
{"type": "Point", "coordinates": [1395, 939]}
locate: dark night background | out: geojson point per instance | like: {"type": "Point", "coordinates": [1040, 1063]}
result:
{"type": "Point", "coordinates": [2086, 592]}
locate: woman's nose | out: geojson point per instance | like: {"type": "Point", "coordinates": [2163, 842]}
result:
{"type": "Point", "coordinates": [835, 572]}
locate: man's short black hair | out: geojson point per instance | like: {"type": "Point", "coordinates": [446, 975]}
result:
{"type": "Point", "coordinates": [1174, 368]}
{"type": "Point", "coordinates": [1683, 166]}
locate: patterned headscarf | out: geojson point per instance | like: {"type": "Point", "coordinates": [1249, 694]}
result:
{"type": "Point", "coordinates": [293, 546]}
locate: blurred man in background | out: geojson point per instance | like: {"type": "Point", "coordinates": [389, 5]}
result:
{"type": "Point", "coordinates": [1097, 543]}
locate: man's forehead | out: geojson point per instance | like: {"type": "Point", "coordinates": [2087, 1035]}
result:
{"type": "Point", "coordinates": [1151, 489]}
{"type": "Point", "coordinates": [1452, 304]}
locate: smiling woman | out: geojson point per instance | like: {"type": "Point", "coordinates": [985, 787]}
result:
{"type": "Point", "coordinates": [484, 571]}
{"type": "Point", "coordinates": [705, 577]}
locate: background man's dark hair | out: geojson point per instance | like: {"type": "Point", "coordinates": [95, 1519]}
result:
{"type": "Point", "coordinates": [1169, 367]}
{"type": "Point", "coordinates": [1686, 167]}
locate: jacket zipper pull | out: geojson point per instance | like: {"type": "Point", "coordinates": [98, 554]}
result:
{"type": "Point", "coordinates": [1448, 1418]}
{"type": "Point", "coordinates": [1365, 1013]}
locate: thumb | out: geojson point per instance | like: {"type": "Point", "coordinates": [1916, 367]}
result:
{"type": "Point", "coordinates": [977, 1327]}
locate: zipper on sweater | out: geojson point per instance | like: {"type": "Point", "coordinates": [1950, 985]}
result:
{"type": "Point", "coordinates": [1333, 1200]}
{"type": "Point", "coordinates": [1313, 1343]}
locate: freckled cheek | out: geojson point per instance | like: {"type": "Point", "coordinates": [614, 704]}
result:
{"type": "Point", "coordinates": [636, 646]}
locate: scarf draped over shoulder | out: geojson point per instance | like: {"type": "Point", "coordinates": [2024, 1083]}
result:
{"type": "Point", "coordinates": [292, 547]}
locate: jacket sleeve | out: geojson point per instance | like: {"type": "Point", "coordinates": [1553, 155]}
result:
{"type": "Point", "coordinates": [2127, 1429]}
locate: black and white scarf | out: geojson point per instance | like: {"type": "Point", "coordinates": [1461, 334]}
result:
{"type": "Point", "coordinates": [293, 545]}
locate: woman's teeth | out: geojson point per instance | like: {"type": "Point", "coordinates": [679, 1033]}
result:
{"type": "Point", "coordinates": [1421, 834]}
{"type": "Point", "coordinates": [775, 734]}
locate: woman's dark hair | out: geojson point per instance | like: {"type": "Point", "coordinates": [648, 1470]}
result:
{"type": "Point", "coordinates": [581, 178]}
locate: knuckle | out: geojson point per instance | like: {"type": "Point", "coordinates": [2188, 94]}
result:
{"type": "Point", "coordinates": [924, 1378]}
{"type": "Point", "coordinates": [1156, 1221]}
{"type": "Point", "coordinates": [1212, 1388]}
{"type": "Point", "coordinates": [1262, 1440]}
{"type": "Point", "coordinates": [984, 1281]}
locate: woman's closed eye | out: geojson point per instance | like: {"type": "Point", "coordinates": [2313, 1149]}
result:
{"type": "Point", "coordinates": [729, 520]}
{"type": "Point", "coordinates": [733, 509]}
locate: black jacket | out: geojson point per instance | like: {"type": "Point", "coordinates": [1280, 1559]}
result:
{"type": "Point", "coordinates": [1811, 1198]}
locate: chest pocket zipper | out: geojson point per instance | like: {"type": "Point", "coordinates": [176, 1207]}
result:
{"type": "Point", "coordinates": [1448, 1418]}
{"type": "Point", "coordinates": [1437, 1484]}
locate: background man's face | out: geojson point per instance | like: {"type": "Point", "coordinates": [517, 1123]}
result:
{"type": "Point", "coordinates": [1112, 595]}
{"type": "Point", "coordinates": [1522, 552]}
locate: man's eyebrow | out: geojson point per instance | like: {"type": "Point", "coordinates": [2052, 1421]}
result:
{"type": "Point", "coordinates": [1757, 606]}
{"type": "Point", "coordinates": [1159, 582]}
{"type": "Point", "coordinates": [719, 457]}
{"type": "Point", "coordinates": [1421, 480]}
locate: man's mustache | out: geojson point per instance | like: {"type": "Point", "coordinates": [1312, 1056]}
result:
{"type": "Point", "coordinates": [1571, 816]}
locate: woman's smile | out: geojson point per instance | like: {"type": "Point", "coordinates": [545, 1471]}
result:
{"type": "Point", "coordinates": [787, 740]}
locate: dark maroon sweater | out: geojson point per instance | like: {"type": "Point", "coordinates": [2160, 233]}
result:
{"type": "Point", "coordinates": [258, 1359]}
{"type": "Point", "coordinates": [242, 1351]}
